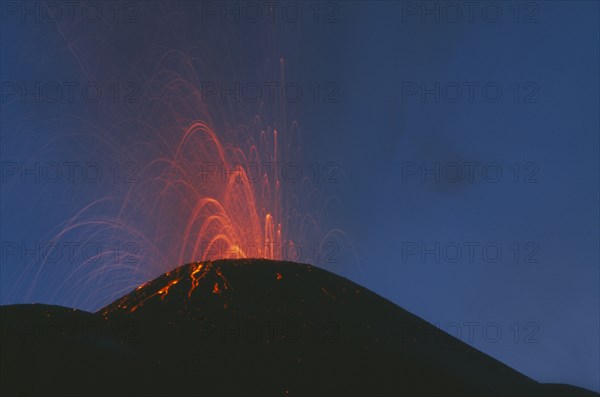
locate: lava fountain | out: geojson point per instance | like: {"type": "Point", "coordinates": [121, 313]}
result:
{"type": "Point", "coordinates": [207, 183]}
{"type": "Point", "coordinates": [228, 207]}
{"type": "Point", "coordinates": [219, 192]}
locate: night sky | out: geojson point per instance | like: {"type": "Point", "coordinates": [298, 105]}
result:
{"type": "Point", "coordinates": [458, 146]}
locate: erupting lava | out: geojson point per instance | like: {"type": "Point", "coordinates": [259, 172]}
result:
{"type": "Point", "coordinates": [208, 185]}
{"type": "Point", "coordinates": [218, 191]}
{"type": "Point", "coordinates": [232, 214]}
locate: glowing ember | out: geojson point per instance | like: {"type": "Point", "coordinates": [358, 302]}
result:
{"type": "Point", "coordinates": [207, 187]}
{"type": "Point", "coordinates": [165, 290]}
{"type": "Point", "coordinates": [161, 292]}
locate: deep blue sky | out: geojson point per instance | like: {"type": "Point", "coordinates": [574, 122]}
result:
{"type": "Point", "coordinates": [376, 131]}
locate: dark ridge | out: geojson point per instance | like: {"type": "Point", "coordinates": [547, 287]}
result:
{"type": "Point", "coordinates": [252, 327]}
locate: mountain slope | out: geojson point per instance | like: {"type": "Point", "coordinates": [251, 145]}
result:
{"type": "Point", "coordinates": [265, 327]}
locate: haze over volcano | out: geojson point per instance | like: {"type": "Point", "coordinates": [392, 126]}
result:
{"type": "Point", "coordinates": [247, 326]}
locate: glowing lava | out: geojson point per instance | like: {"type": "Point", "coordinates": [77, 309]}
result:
{"type": "Point", "coordinates": [232, 214]}
{"type": "Point", "coordinates": [206, 184]}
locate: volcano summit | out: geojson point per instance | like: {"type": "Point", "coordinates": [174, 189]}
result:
{"type": "Point", "coordinates": [248, 326]}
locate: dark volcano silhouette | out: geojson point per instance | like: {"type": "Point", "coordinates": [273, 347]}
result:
{"type": "Point", "coordinates": [236, 327]}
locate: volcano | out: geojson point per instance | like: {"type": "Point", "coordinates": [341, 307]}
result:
{"type": "Point", "coordinates": [250, 326]}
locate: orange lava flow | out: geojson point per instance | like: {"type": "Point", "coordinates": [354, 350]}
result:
{"type": "Point", "coordinates": [165, 290]}
{"type": "Point", "coordinates": [161, 292]}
